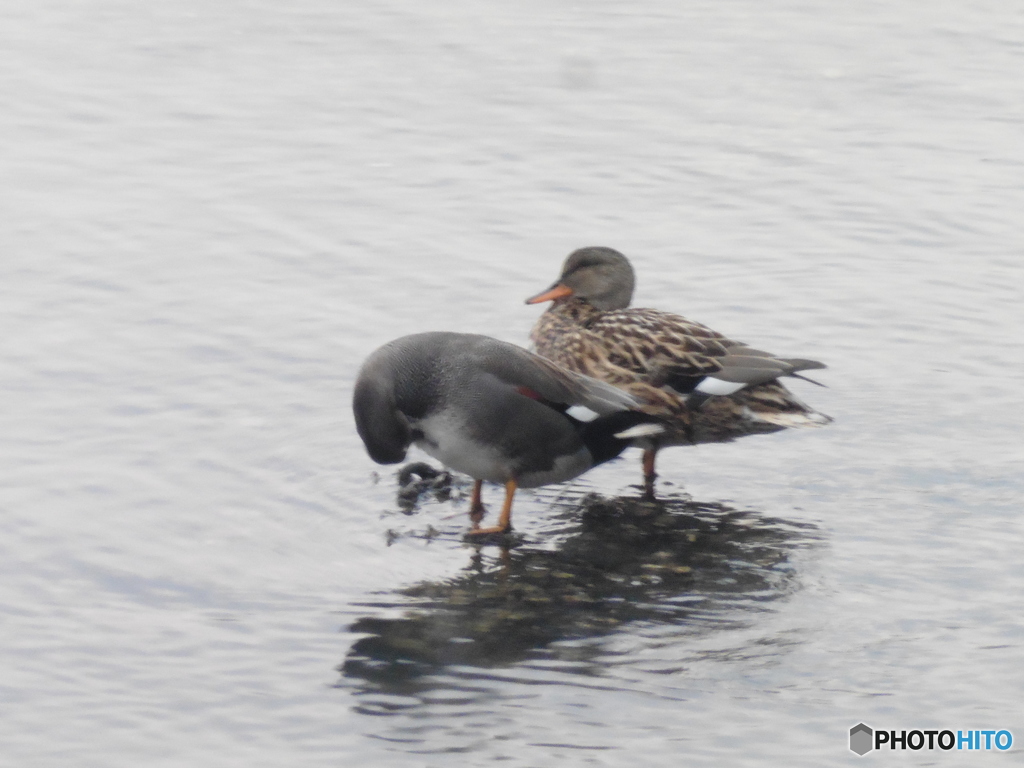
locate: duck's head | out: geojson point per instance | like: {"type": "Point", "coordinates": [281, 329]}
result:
{"type": "Point", "coordinates": [601, 276]}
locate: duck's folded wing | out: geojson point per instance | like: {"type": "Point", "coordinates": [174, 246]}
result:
{"type": "Point", "coordinates": [741, 366]}
{"type": "Point", "coordinates": [545, 380]}
{"type": "Point", "coordinates": [660, 346]}
{"type": "Point", "coordinates": [671, 351]}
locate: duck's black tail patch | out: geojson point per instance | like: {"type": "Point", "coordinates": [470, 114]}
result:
{"type": "Point", "coordinates": [602, 435]}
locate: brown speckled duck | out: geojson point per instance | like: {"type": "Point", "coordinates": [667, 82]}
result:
{"type": "Point", "coordinates": [707, 387]}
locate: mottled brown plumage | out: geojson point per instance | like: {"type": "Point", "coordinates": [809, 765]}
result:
{"type": "Point", "coordinates": [677, 368]}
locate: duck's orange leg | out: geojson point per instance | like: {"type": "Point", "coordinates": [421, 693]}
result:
{"type": "Point", "coordinates": [476, 505]}
{"type": "Point", "coordinates": [649, 474]}
{"type": "Point", "coordinates": [505, 521]}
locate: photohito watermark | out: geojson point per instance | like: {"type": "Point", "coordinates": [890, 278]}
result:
{"type": "Point", "coordinates": [864, 738]}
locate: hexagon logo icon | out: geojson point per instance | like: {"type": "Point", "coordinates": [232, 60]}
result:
{"type": "Point", "coordinates": [861, 738]}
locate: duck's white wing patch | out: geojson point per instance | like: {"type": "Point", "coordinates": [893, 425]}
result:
{"type": "Point", "coordinates": [640, 430]}
{"type": "Point", "coordinates": [581, 413]}
{"type": "Point", "coordinates": [713, 386]}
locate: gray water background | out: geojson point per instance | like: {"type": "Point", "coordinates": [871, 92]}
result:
{"type": "Point", "coordinates": [212, 212]}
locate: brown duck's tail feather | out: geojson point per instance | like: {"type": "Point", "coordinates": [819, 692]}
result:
{"type": "Point", "coordinates": [802, 364]}
{"type": "Point", "coordinates": [774, 404]}
{"type": "Point", "coordinates": [796, 419]}
{"type": "Point", "coordinates": [808, 378]}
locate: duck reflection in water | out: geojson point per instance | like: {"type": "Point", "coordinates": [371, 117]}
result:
{"type": "Point", "coordinates": [621, 561]}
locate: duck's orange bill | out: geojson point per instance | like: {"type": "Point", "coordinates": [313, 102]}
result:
{"type": "Point", "coordinates": [556, 292]}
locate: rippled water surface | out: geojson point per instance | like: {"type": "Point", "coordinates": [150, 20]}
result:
{"type": "Point", "coordinates": [214, 211]}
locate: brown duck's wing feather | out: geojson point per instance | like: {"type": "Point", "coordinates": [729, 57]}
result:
{"type": "Point", "coordinates": [659, 346]}
{"type": "Point", "coordinates": [654, 349]}
{"type": "Point", "coordinates": [793, 363]}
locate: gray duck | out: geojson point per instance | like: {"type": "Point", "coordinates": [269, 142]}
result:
{"type": "Point", "coordinates": [493, 411]}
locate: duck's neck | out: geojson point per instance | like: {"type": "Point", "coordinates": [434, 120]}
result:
{"type": "Point", "coordinates": [572, 310]}
{"type": "Point", "coordinates": [562, 317]}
